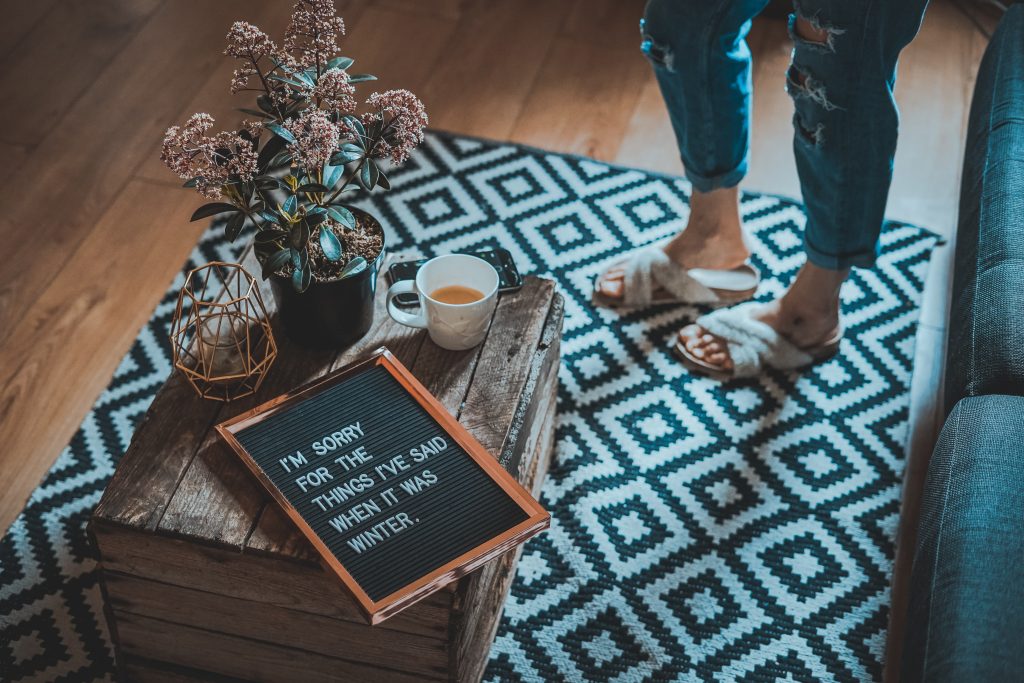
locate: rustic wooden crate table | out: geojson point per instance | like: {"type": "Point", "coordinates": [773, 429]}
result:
{"type": "Point", "coordinates": [204, 576]}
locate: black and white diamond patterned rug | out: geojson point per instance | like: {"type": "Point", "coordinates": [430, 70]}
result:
{"type": "Point", "coordinates": [700, 531]}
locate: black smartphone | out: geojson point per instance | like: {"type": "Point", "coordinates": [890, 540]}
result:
{"type": "Point", "coordinates": [509, 278]}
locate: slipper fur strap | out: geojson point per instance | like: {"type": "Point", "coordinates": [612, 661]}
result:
{"type": "Point", "coordinates": [651, 267]}
{"type": "Point", "coordinates": [753, 345]}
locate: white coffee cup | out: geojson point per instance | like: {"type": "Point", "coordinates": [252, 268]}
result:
{"type": "Point", "coordinates": [452, 326]}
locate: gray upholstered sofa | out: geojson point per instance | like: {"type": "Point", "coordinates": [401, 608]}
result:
{"type": "Point", "coordinates": [966, 620]}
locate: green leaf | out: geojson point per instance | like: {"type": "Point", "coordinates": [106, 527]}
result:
{"type": "Point", "coordinates": [268, 182]}
{"type": "Point", "coordinates": [340, 63]}
{"type": "Point", "coordinates": [289, 81]}
{"type": "Point", "coordinates": [342, 215]}
{"type": "Point", "coordinates": [315, 219]}
{"type": "Point", "coordinates": [312, 188]}
{"type": "Point", "coordinates": [269, 151]}
{"type": "Point", "coordinates": [281, 132]}
{"type": "Point", "coordinates": [354, 267]}
{"type": "Point", "coordinates": [342, 158]}
{"type": "Point", "coordinates": [332, 174]}
{"type": "Point", "coordinates": [299, 257]}
{"type": "Point", "coordinates": [282, 158]}
{"type": "Point", "coordinates": [192, 182]}
{"type": "Point", "coordinates": [252, 112]}
{"type": "Point", "coordinates": [276, 262]}
{"type": "Point", "coordinates": [234, 226]}
{"type": "Point", "coordinates": [212, 209]}
{"type": "Point", "coordinates": [369, 174]}
{"type": "Point", "coordinates": [382, 180]}
{"type": "Point", "coordinates": [356, 125]}
{"type": "Point", "coordinates": [361, 78]}
{"type": "Point", "coordinates": [290, 205]}
{"type": "Point", "coordinates": [301, 278]}
{"type": "Point", "coordinates": [299, 235]}
{"type": "Point", "coordinates": [270, 235]}
{"type": "Point", "coordinates": [330, 243]}
{"type": "Point", "coordinates": [265, 103]}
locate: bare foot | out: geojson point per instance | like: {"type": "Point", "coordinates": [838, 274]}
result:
{"type": "Point", "coordinates": [807, 315]}
{"type": "Point", "coordinates": [713, 239]}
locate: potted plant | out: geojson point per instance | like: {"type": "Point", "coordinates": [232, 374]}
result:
{"type": "Point", "coordinates": [286, 173]}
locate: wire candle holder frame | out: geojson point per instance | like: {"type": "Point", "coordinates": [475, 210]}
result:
{"type": "Point", "coordinates": [220, 335]}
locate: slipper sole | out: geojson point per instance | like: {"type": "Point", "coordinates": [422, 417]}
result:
{"type": "Point", "coordinates": [725, 298]}
{"type": "Point", "coordinates": [818, 354]}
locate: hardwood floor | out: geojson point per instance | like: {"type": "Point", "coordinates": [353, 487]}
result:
{"type": "Point", "coordinates": [94, 227]}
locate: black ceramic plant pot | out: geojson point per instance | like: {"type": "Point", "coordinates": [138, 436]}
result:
{"type": "Point", "coordinates": [333, 314]}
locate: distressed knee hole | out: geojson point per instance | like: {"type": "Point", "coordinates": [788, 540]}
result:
{"type": "Point", "coordinates": [800, 85]}
{"type": "Point", "coordinates": [811, 31]}
{"type": "Point", "coordinates": [813, 134]}
{"type": "Point", "coordinates": [657, 54]}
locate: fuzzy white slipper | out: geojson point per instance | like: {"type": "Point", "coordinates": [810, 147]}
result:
{"type": "Point", "coordinates": [651, 277]}
{"type": "Point", "coordinates": [753, 345]}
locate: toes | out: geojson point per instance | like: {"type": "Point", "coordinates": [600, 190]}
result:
{"type": "Point", "coordinates": [705, 346]}
{"type": "Point", "coordinates": [690, 336]}
{"type": "Point", "coordinates": [610, 287]}
{"type": "Point", "coordinates": [611, 282]}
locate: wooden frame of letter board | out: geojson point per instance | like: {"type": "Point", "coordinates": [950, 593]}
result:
{"type": "Point", "coordinates": [537, 518]}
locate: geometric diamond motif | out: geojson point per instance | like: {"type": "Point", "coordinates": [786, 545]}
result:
{"type": "Point", "coordinates": [700, 531]}
{"type": "Point", "coordinates": [603, 646]}
{"type": "Point", "coordinates": [703, 606]}
{"type": "Point", "coordinates": [803, 565]}
{"type": "Point", "coordinates": [724, 493]}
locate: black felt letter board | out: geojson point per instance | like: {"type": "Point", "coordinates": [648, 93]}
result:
{"type": "Point", "coordinates": [379, 480]}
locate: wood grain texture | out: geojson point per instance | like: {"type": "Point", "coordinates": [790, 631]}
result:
{"type": "Point", "coordinates": [347, 640]}
{"type": "Point", "coordinates": [38, 365]}
{"type": "Point", "coordinates": [496, 56]}
{"type": "Point", "coordinates": [19, 20]}
{"type": "Point", "coordinates": [55, 78]}
{"type": "Point", "coordinates": [582, 99]}
{"type": "Point", "coordinates": [289, 584]}
{"type": "Point", "coordinates": [190, 542]}
{"type": "Point", "coordinates": [245, 658]}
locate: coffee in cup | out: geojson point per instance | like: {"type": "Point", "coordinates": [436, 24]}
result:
{"type": "Point", "coordinates": [457, 295]}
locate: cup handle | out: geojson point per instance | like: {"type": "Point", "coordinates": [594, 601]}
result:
{"type": "Point", "coordinates": [405, 287]}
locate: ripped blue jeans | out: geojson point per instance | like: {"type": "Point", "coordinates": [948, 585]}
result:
{"type": "Point", "coordinates": [841, 82]}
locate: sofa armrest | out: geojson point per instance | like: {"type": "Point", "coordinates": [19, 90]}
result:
{"type": "Point", "coordinates": [986, 330]}
{"type": "Point", "coordinates": [966, 618]}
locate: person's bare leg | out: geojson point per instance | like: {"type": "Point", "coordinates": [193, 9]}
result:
{"type": "Point", "coordinates": [807, 315]}
{"type": "Point", "coordinates": [713, 238]}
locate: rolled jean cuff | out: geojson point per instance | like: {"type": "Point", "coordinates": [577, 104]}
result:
{"type": "Point", "coordinates": [717, 182]}
{"type": "Point", "coordinates": [859, 259]}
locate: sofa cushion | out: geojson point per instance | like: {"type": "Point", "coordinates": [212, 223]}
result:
{"type": "Point", "coordinates": [966, 618]}
{"type": "Point", "coordinates": [986, 330]}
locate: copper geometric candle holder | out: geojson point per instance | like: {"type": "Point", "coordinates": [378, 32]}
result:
{"type": "Point", "coordinates": [220, 335]}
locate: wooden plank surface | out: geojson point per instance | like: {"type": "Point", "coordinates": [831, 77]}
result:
{"type": "Point", "coordinates": [289, 584]}
{"type": "Point", "coordinates": [244, 657]}
{"type": "Point", "coordinates": [289, 628]}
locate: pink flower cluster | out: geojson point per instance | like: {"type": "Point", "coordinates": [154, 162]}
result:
{"type": "Point", "coordinates": [246, 41]}
{"type": "Point", "coordinates": [312, 36]}
{"type": "Point", "coordinates": [211, 160]}
{"type": "Point", "coordinates": [404, 120]}
{"type": "Point", "coordinates": [316, 138]}
{"type": "Point", "coordinates": [336, 91]}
